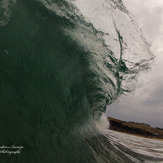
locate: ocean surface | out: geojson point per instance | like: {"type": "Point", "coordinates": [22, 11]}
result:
{"type": "Point", "coordinates": [62, 62]}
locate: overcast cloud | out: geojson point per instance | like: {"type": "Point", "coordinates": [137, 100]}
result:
{"type": "Point", "coordinates": [149, 14]}
{"type": "Point", "coordinates": [146, 104]}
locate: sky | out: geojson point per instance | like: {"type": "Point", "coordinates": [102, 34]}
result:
{"type": "Point", "coordinates": [146, 103]}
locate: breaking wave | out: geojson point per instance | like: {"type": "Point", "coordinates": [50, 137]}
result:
{"type": "Point", "coordinates": [62, 62]}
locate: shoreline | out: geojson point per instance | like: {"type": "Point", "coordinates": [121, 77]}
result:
{"type": "Point", "coordinates": [136, 129]}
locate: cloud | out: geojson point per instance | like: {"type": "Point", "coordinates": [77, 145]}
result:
{"type": "Point", "coordinates": [146, 104]}
{"type": "Point", "coordinates": [130, 108]}
{"type": "Point", "coordinates": [149, 14]}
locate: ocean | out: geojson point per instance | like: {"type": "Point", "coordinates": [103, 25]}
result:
{"type": "Point", "coordinates": [62, 62]}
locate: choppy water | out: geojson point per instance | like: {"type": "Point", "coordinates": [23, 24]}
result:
{"type": "Point", "coordinates": [61, 63]}
{"type": "Point", "coordinates": [136, 148]}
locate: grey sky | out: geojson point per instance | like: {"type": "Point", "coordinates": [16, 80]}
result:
{"type": "Point", "coordinates": [149, 14]}
{"type": "Point", "coordinates": [146, 104]}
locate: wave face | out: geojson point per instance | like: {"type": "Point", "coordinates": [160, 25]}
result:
{"type": "Point", "coordinates": [61, 63]}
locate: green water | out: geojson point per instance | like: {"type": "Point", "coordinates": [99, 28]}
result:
{"type": "Point", "coordinates": [50, 90]}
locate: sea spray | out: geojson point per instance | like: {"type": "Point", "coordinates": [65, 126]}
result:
{"type": "Point", "coordinates": [59, 69]}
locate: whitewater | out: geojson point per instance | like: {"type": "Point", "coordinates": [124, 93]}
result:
{"type": "Point", "coordinates": [61, 64]}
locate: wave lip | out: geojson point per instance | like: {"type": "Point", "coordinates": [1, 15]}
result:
{"type": "Point", "coordinates": [63, 62]}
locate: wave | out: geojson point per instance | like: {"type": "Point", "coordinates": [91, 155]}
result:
{"type": "Point", "coordinates": [61, 63]}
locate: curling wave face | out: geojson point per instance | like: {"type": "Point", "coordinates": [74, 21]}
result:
{"type": "Point", "coordinates": [61, 63]}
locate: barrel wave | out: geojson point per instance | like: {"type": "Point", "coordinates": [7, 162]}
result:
{"type": "Point", "coordinates": [61, 64]}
